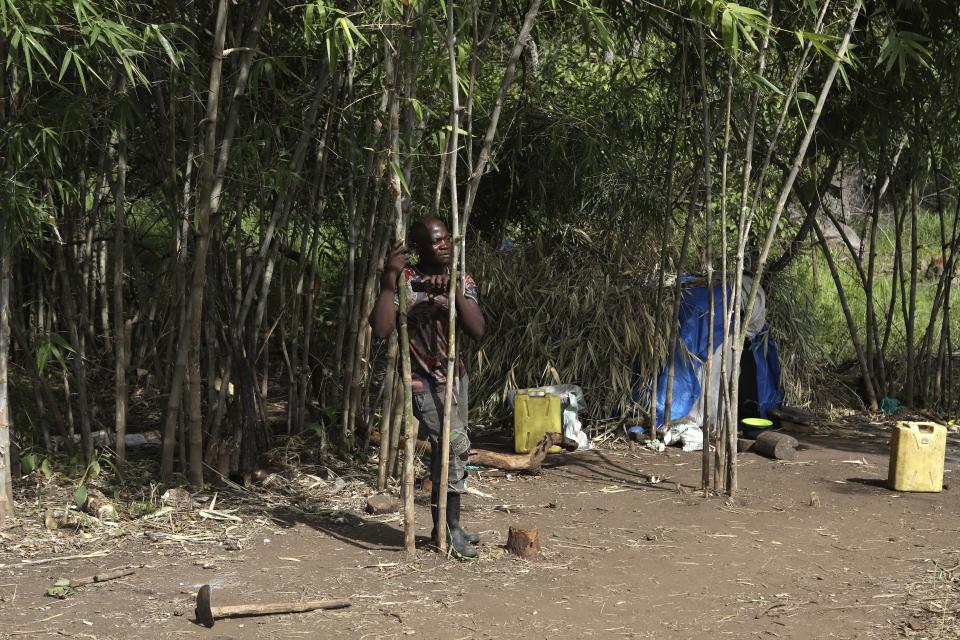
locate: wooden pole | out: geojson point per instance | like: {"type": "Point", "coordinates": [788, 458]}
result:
{"type": "Point", "coordinates": [720, 457]}
{"type": "Point", "coordinates": [441, 523]}
{"type": "Point", "coordinates": [411, 425]}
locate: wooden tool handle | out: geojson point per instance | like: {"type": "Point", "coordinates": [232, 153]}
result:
{"type": "Point", "coordinates": [102, 577]}
{"type": "Point", "coordinates": [240, 610]}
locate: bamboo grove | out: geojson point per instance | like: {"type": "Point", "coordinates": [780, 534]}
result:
{"type": "Point", "coordinates": [200, 196]}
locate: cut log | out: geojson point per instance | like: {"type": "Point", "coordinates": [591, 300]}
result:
{"type": "Point", "coordinates": [64, 520]}
{"type": "Point", "coordinates": [514, 462]}
{"type": "Point", "coordinates": [523, 542]}
{"type": "Point", "coordinates": [98, 505]}
{"type": "Point", "coordinates": [792, 415]}
{"type": "Point", "coordinates": [520, 461]}
{"type": "Point", "coordinates": [106, 438]}
{"type": "Point", "coordinates": [744, 445]}
{"type": "Point", "coordinates": [778, 446]}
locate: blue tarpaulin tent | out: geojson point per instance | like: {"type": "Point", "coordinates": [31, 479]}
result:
{"type": "Point", "coordinates": [691, 353]}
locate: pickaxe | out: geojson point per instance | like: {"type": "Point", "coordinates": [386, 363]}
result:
{"type": "Point", "coordinates": [206, 614]}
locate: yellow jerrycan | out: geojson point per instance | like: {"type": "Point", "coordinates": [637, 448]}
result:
{"type": "Point", "coordinates": [917, 453]}
{"type": "Point", "coordinates": [535, 414]}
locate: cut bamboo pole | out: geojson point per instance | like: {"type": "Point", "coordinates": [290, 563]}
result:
{"type": "Point", "coordinates": [735, 317]}
{"type": "Point", "coordinates": [410, 423]}
{"type": "Point", "coordinates": [387, 423]}
{"type": "Point", "coordinates": [667, 205]}
{"type": "Point", "coordinates": [6, 482]}
{"type": "Point", "coordinates": [708, 259]}
{"type": "Point", "coordinates": [452, 346]}
{"type": "Point", "coordinates": [121, 337]}
{"type": "Point", "coordinates": [674, 327]}
{"type": "Point", "coordinates": [720, 457]}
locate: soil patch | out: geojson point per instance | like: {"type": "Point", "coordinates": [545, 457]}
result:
{"type": "Point", "coordinates": [622, 558]}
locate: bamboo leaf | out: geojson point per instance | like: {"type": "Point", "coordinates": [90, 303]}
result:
{"type": "Point", "coordinates": [167, 47]}
{"type": "Point", "coordinates": [728, 30]}
{"type": "Point", "coordinates": [765, 83]}
{"type": "Point", "coordinates": [68, 54]}
{"type": "Point", "coordinates": [80, 496]}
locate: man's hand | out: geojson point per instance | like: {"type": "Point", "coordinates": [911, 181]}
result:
{"type": "Point", "coordinates": [394, 265]}
{"type": "Point", "coordinates": [438, 284]}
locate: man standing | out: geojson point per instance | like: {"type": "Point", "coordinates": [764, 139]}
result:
{"type": "Point", "coordinates": [427, 287]}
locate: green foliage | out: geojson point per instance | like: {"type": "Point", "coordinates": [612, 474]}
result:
{"type": "Point", "coordinates": [900, 48]}
{"type": "Point", "coordinates": [91, 472]}
{"type": "Point", "coordinates": [602, 125]}
{"type": "Point", "coordinates": [34, 461]}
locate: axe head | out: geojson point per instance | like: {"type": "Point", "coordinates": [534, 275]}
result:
{"type": "Point", "coordinates": [204, 612]}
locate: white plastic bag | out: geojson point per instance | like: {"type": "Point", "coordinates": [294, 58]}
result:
{"type": "Point", "coordinates": [571, 424]}
{"type": "Point", "coordinates": [687, 433]}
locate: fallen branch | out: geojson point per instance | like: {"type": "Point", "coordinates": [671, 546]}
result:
{"type": "Point", "coordinates": [65, 587]}
{"type": "Point", "coordinates": [505, 461]}
{"type": "Point", "coordinates": [103, 577]}
{"type": "Point", "coordinates": [521, 461]}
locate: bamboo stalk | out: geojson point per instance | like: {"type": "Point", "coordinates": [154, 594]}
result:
{"type": "Point", "coordinates": [708, 259]}
{"type": "Point", "coordinates": [121, 354]}
{"type": "Point", "coordinates": [79, 359]}
{"type": "Point", "coordinates": [735, 311]}
{"type": "Point", "coordinates": [201, 246]}
{"type": "Point", "coordinates": [387, 425]}
{"type": "Point", "coordinates": [6, 275]}
{"type": "Point", "coordinates": [674, 327]}
{"type": "Point", "coordinates": [787, 103]}
{"type": "Point", "coordinates": [667, 205]}
{"type": "Point", "coordinates": [485, 151]}
{"type": "Point", "coordinates": [788, 187]}
{"type": "Point", "coordinates": [910, 388]}
{"type": "Point", "coordinates": [394, 469]}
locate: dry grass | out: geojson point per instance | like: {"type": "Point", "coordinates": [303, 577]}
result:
{"type": "Point", "coordinates": [576, 308]}
{"type": "Point", "coordinates": [935, 603]}
{"type": "Point", "coordinates": [804, 363]}
{"type": "Point", "coordinates": [569, 308]}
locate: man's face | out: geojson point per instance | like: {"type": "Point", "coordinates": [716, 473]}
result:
{"type": "Point", "coordinates": [434, 245]}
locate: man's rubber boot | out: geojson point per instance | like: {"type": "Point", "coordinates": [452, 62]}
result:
{"type": "Point", "coordinates": [457, 544]}
{"type": "Point", "coordinates": [471, 538]}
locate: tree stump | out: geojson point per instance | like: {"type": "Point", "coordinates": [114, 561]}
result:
{"type": "Point", "coordinates": [98, 505]}
{"type": "Point", "coordinates": [778, 446]}
{"type": "Point", "coordinates": [523, 542]}
{"type": "Point", "coordinates": [381, 503]}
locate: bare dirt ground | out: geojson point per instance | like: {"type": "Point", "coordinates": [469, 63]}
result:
{"type": "Point", "coordinates": [622, 558]}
